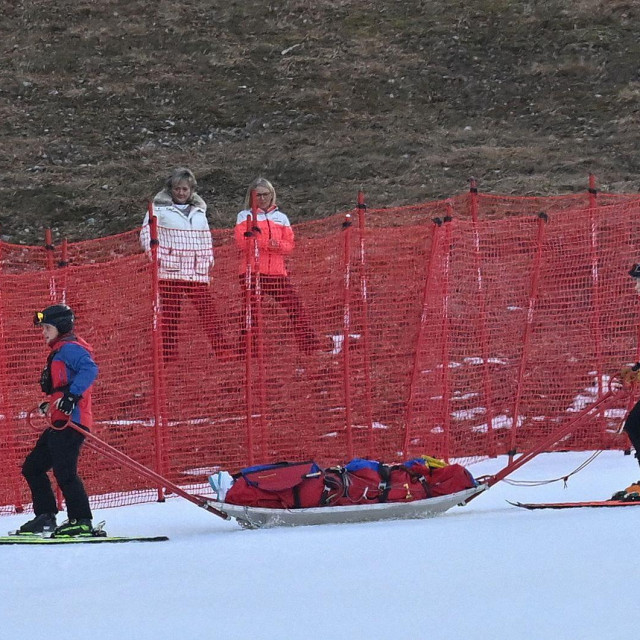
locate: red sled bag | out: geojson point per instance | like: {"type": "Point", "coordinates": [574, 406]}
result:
{"type": "Point", "coordinates": [358, 482]}
{"type": "Point", "coordinates": [407, 484]}
{"type": "Point", "coordinates": [284, 485]}
{"type": "Point", "coordinates": [367, 481]}
{"type": "Point", "coordinates": [449, 479]}
{"type": "Point", "coordinates": [414, 480]}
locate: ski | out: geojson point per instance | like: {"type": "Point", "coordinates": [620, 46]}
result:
{"type": "Point", "coordinates": [40, 540]}
{"type": "Point", "coordinates": [575, 505]}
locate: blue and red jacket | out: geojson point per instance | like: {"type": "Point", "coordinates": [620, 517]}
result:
{"type": "Point", "coordinates": [72, 368]}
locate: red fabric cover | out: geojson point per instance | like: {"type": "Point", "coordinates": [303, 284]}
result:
{"type": "Point", "coordinates": [310, 492]}
{"type": "Point", "coordinates": [284, 487]}
{"type": "Point", "coordinates": [419, 481]}
{"type": "Point", "coordinates": [362, 487]}
{"type": "Point", "coordinates": [302, 485]}
{"type": "Point", "coordinates": [405, 486]}
{"type": "Point", "coordinates": [450, 479]}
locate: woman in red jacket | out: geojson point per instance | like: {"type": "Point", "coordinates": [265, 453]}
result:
{"type": "Point", "coordinates": [264, 238]}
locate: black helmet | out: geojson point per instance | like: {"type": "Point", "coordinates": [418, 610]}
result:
{"type": "Point", "coordinates": [634, 272]}
{"type": "Point", "coordinates": [58, 315]}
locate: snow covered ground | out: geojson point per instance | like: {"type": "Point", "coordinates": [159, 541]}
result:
{"type": "Point", "coordinates": [487, 571]}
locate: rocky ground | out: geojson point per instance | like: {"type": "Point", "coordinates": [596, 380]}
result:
{"type": "Point", "coordinates": [405, 99]}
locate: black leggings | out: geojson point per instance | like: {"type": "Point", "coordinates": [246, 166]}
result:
{"type": "Point", "coordinates": [58, 450]}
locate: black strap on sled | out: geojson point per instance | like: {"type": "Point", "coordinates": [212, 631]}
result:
{"type": "Point", "coordinates": [385, 482]}
{"type": "Point", "coordinates": [334, 485]}
{"type": "Point", "coordinates": [422, 480]}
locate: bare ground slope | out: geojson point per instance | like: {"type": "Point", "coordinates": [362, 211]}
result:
{"type": "Point", "coordinates": [405, 99]}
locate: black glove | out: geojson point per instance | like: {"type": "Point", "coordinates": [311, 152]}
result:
{"type": "Point", "coordinates": [68, 403]}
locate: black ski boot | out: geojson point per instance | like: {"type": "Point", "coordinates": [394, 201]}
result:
{"type": "Point", "coordinates": [43, 523]}
{"type": "Point", "coordinates": [630, 494]}
{"type": "Point", "coordinates": [74, 528]}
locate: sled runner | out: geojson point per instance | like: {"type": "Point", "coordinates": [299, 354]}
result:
{"type": "Point", "coordinates": [263, 517]}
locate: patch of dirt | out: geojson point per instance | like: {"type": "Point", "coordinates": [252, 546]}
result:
{"type": "Point", "coordinates": [99, 99]}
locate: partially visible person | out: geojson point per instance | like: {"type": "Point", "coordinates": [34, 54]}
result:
{"type": "Point", "coordinates": [185, 258]}
{"type": "Point", "coordinates": [67, 380]}
{"type": "Point", "coordinates": [275, 240]}
{"type": "Point", "coordinates": [631, 375]}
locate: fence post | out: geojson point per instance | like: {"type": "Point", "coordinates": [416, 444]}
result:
{"type": "Point", "coordinates": [366, 338]}
{"type": "Point", "coordinates": [53, 298]}
{"type": "Point", "coordinates": [474, 204]}
{"type": "Point", "coordinates": [346, 332]}
{"type": "Point", "coordinates": [595, 280]}
{"type": "Point", "coordinates": [435, 241]}
{"type": "Point", "coordinates": [526, 339]}
{"type": "Point", "coordinates": [8, 427]}
{"type": "Point", "coordinates": [482, 312]}
{"type": "Point", "coordinates": [250, 249]}
{"type": "Point", "coordinates": [62, 288]}
{"type": "Point", "coordinates": [64, 262]}
{"type": "Point", "coordinates": [159, 404]}
{"type": "Point", "coordinates": [594, 251]}
{"type": "Point", "coordinates": [259, 325]}
{"type": "Point", "coordinates": [49, 248]}
{"type": "Point", "coordinates": [445, 359]}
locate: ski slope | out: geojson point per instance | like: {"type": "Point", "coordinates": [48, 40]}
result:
{"type": "Point", "coordinates": [486, 571]}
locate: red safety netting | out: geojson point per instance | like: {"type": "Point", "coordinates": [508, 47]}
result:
{"type": "Point", "coordinates": [464, 328]}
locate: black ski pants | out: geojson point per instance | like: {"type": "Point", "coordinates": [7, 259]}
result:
{"type": "Point", "coordinates": [58, 450]}
{"type": "Point", "coordinates": [632, 427]}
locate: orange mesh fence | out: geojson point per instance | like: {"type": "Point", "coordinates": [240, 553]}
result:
{"type": "Point", "coordinates": [491, 207]}
{"type": "Point", "coordinates": [464, 328]}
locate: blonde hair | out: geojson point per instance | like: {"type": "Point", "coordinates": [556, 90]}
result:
{"type": "Point", "coordinates": [259, 182]}
{"type": "Point", "coordinates": [181, 174]}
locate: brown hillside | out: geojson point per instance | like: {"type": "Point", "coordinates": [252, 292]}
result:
{"type": "Point", "coordinates": [405, 99]}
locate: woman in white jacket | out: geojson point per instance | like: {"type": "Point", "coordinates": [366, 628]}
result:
{"type": "Point", "coordinates": [185, 257]}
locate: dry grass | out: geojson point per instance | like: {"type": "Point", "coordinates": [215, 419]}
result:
{"type": "Point", "coordinates": [406, 100]}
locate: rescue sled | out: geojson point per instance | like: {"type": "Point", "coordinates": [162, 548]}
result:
{"type": "Point", "coordinates": [264, 518]}
{"type": "Point", "coordinates": [440, 484]}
